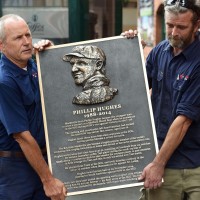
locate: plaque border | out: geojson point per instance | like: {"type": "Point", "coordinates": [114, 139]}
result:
{"type": "Point", "coordinates": [45, 117]}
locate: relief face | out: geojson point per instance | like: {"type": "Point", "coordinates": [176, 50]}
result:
{"type": "Point", "coordinates": [88, 70]}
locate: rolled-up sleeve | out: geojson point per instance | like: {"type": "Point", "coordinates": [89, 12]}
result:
{"type": "Point", "coordinates": [190, 101]}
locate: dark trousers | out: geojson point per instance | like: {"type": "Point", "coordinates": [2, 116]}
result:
{"type": "Point", "coordinates": [18, 181]}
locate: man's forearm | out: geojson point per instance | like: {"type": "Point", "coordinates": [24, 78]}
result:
{"type": "Point", "coordinates": [33, 154]}
{"type": "Point", "coordinates": [175, 135]}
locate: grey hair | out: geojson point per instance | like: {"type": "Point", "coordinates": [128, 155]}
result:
{"type": "Point", "coordinates": [176, 9]}
{"type": "Point", "coordinates": [2, 23]}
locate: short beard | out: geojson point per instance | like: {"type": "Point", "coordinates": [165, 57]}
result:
{"type": "Point", "coordinates": [176, 43]}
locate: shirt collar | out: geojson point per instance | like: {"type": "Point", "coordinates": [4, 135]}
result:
{"type": "Point", "coordinates": [190, 50]}
{"type": "Point", "coordinates": [13, 68]}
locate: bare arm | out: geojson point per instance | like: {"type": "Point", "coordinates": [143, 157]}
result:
{"type": "Point", "coordinates": [53, 187]}
{"type": "Point", "coordinates": [153, 173]}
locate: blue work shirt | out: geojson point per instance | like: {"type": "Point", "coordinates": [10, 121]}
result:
{"type": "Point", "coordinates": [175, 82]}
{"type": "Point", "coordinates": [20, 104]}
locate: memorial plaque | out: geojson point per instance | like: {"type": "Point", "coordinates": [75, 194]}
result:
{"type": "Point", "coordinates": [98, 120]}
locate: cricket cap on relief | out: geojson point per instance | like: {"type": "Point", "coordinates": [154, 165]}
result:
{"type": "Point", "coordinates": [90, 52]}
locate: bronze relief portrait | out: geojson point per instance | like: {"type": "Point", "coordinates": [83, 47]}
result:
{"type": "Point", "coordinates": [88, 70]}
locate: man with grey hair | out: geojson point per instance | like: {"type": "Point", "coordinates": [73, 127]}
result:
{"type": "Point", "coordinates": [88, 69]}
{"type": "Point", "coordinates": [24, 173]}
{"type": "Point", "coordinates": [173, 70]}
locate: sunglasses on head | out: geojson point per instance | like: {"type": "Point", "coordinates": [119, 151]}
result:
{"type": "Point", "coordinates": [183, 3]}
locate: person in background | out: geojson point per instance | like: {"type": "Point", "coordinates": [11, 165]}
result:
{"type": "Point", "coordinates": [24, 173]}
{"type": "Point", "coordinates": [173, 70]}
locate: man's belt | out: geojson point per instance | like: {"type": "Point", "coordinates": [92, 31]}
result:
{"type": "Point", "coordinates": [18, 154]}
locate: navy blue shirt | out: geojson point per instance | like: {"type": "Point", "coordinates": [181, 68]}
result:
{"type": "Point", "coordinates": [175, 82]}
{"type": "Point", "coordinates": [20, 105]}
